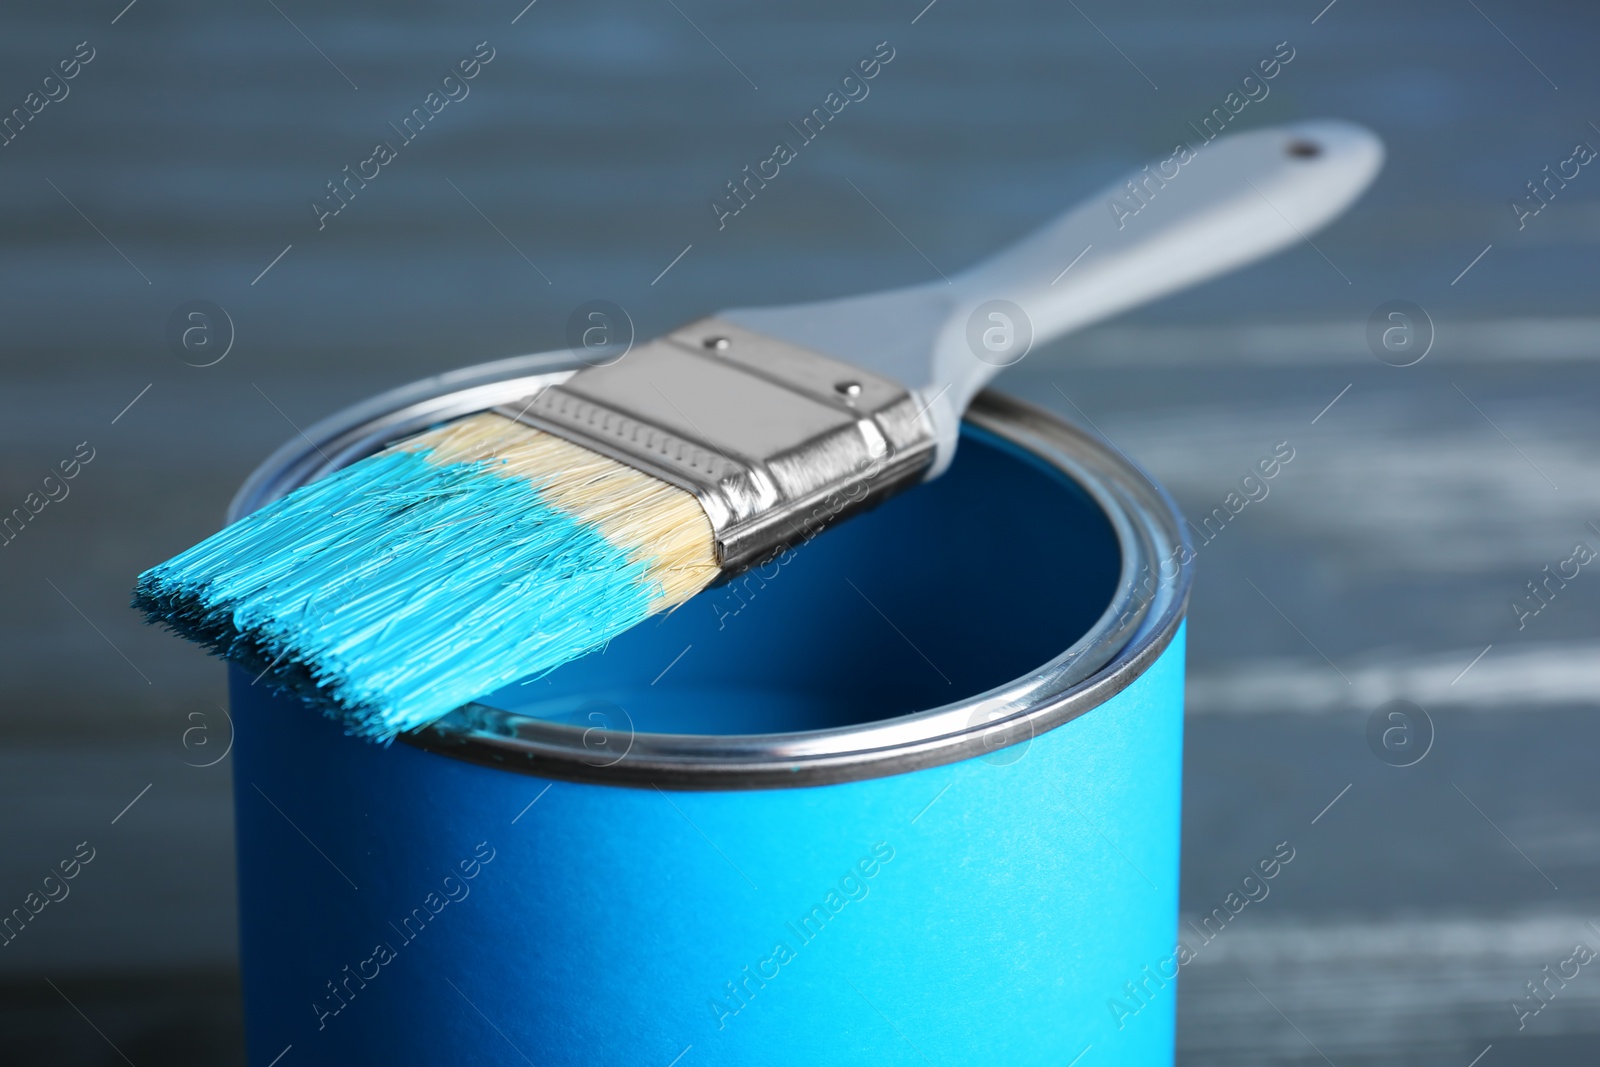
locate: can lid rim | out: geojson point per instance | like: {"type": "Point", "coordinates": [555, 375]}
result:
{"type": "Point", "coordinates": [1136, 627]}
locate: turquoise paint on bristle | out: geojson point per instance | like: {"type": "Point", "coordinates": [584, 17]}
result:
{"type": "Point", "coordinates": [394, 591]}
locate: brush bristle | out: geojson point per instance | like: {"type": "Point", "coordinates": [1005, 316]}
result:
{"type": "Point", "coordinates": [448, 565]}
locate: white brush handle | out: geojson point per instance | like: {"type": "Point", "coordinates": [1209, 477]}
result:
{"type": "Point", "coordinates": [1186, 218]}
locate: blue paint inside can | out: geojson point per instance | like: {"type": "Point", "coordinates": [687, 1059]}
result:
{"type": "Point", "coordinates": [961, 585]}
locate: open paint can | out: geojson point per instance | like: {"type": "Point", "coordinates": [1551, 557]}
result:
{"type": "Point", "coordinates": [908, 793]}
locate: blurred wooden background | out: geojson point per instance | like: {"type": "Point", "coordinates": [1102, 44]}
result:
{"type": "Point", "coordinates": [180, 165]}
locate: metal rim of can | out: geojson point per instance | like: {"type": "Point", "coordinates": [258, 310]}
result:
{"type": "Point", "coordinates": [1135, 628]}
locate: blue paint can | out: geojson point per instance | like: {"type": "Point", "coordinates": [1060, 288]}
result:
{"type": "Point", "coordinates": [907, 794]}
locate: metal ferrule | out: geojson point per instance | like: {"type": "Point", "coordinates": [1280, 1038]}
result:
{"type": "Point", "coordinates": [776, 441]}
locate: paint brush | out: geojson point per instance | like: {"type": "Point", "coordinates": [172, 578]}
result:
{"type": "Point", "coordinates": [501, 545]}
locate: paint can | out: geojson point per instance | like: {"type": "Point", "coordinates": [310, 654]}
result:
{"type": "Point", "coordinates": [907, 794]}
